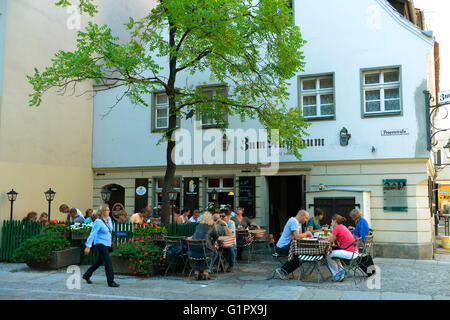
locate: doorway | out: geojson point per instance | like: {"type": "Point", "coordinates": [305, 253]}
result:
{"type": "Point", "coordinates": [331, 206]}
{"type": "Point", "coordinates": [286, 198]}
{"type": "Point", "coordinates": [117, 200]}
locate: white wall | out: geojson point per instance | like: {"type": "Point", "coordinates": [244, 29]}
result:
{"type": "Point", "coordinates": [343, 37]}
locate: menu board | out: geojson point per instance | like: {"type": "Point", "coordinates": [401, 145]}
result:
{"type": "Point", "coordinates": [394, 195]}
{"type": "Point", "coordinates": [247, 195]}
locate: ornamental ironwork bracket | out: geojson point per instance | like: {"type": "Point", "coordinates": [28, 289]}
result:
{"type": "Point", "coordinates": [431, 112]}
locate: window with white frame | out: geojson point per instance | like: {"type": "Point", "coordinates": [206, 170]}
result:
{"type": "Point", "coordinates": [212, 92]}
{"type": "Point", "coordinates": [317, 96]}
{"type": "Point", "coordinates": [161, 111]}
{"type": "Point", "coordinates": [381, 91]}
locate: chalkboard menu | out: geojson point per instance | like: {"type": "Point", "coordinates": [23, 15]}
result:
{"type": "Point", "coordinates": [247, 195]}
{"type": "Point", "coordinates": [191, 198]}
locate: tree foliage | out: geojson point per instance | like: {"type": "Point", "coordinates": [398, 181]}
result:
{"type": "Point", "coordinates": [252, 46]}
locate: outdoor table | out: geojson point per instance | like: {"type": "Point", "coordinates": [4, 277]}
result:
{"type": "Point", "coordinates": [446, 225]}
{"type": "Point", "coordinates": [296, 249]}
{"type": "Point", "coordinates": [257, 233]}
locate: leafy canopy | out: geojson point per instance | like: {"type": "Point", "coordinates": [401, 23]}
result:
{"type": "Point", "coordinates": [251, 46]}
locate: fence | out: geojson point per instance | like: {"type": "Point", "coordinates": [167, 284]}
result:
{"type": "Point", "coordinates": [16, 232]}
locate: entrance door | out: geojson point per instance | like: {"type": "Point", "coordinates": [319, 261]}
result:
{"type": "Point", "coordinates": [117, 197]}
{"type": "Point", "coordinates": [286, 198]}
{"type": "Point", "coordinates": [331, 206]}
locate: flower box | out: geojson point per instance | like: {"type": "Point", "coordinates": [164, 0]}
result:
{"type": "Point", "coordinates": [59, 259]}
{"type": "Point", "coordinates": [121, 266]}
{"type": "Point", "coordinates": [124, 266]}
{"type": "Point", "coordinates": [80, 236]}
{"type": "Point", "coordinates": [151, 237]}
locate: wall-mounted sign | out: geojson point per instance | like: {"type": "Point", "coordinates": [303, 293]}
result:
{"type": "Point", "coordinates": [191, 196]}
{"type": "Point", "coordinates": [395, 132]}
{"type": "Point", "coordinates": [444, 96]}
{"type": "Point", "coordinates": [395, 196]}
{"type": "Point", "coordinates": [140, 191]}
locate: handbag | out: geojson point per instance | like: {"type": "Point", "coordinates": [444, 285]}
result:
{"type": "Point", "coordinates": [112, 247]}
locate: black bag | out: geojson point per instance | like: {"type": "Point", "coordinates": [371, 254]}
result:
{"type": "Point", "coordinates": [365, 263]}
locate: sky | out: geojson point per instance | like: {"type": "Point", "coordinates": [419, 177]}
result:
{"type": "Point", "coordinates": [437, 20]}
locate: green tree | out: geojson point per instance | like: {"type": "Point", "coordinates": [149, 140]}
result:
{"type": "Point", "coordinates": [251, 45]}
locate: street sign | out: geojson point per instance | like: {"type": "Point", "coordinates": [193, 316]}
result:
{"type": "Point", "coordinates": [444, 96]}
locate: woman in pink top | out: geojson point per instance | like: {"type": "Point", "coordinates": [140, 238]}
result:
{"type": "Point", "coordinates": [345, 239]}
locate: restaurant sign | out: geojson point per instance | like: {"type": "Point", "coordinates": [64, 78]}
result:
{"type": "Point", "coordinates": [394, 195]}
{"type": "Point", "coordinates": [444, 97]}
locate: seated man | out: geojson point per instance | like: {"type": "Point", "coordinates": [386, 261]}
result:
{"type": "Point", "coordinates": [226, 227]}
{"type": "Point", "coordinates": [291, 231]}
{"type": "Point", "coordinates": [195, 216]}
{"type": "Point", "coordinates": [76, 218]}
{"type": "Point", "coordinates": [64, 209]}
{"type": "Point", "coordinates": [362, 226]}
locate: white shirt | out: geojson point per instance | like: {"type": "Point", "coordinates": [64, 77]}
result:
{"type": "Point", "coordinates": [193, 220]}
{"type": "Point", "coordinates": [291, 226]}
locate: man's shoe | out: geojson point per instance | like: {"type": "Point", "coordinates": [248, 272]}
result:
{"type": "Point", "coordinates": [280, 273]}
{"type": "Point", "coordinates": [229, 269]}
{"type": "Point", "coordinates": [87, 280]}
{"type": "Point", "coordinates": [114, 285]}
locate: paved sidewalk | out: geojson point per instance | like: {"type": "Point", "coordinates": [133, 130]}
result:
{"type": "Point", "coordinates": [400, 279]}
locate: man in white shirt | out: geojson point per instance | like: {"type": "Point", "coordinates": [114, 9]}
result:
{"type": "Point", "coordinates": [64, 209]}
{"type": "Point", "coordinates": [291, 231]}
{"type": "Point", "coordinates": [195, 216]}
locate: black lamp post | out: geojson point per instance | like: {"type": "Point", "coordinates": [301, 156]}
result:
{"type": "Point", "coordinates": [49, 195]}
{"type": "Point", "coordinates": [12, 196]}
{"type": "Point", "coordinates": [106, 195]}
{"type": "Point", "coordinates": [172, 197]}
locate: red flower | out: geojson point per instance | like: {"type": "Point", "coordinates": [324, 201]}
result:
{"type": "Point", "coordinates": [137, 238]}
{"type": "Point", "coordinates": [120, 254]}
{"type": "Point", "coordinates": [46, 223]}
{"type": "Point", "coordinates": [140, 261]}
{"type": "Point", "coordinates": [63, 225]}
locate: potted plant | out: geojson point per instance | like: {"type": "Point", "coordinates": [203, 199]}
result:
{"type": "Point", "coordinates": [138, 257]}
{"type": "Point", "coordinates": [47, 251]}
{"type": "Point", "coordinates": [81, 231]}
{"type": "Point", "coordinates": [149, 231]}
{"type": "Point", "coordinates": [56, 227]}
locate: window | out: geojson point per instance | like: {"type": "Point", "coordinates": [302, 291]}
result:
{"type": "Point", "coordinates": [381, 92]}
{"type": "Point", "coordinates": [211, 93]}
{"type": "Point", "coordinates": [317, 97]}
{"type": "Point", "coordinates": [161, 111]}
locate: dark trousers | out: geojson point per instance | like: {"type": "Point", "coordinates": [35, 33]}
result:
{"type": "Point", "coordinates": [103, 256]}
{"type": "Point", "coordinates": [289, 266]}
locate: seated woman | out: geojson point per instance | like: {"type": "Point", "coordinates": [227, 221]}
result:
{"type": "Point", "coordinates": [362, 226]}
{"type": "Point", "coordinates": [313, 223]}
{"type": "Point", "coordinates": [241, 223]}
{"type": "Point", "coordinates": [123, 217]}
{"type": "Point", "coordinates": [184, 217]}
{"type": "Point", "coordinates": [205, 230]}
{"type": "Point", "coordinates": [346, 242]}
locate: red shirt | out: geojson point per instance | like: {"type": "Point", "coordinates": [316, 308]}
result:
{"type": "Point", "coordinates": [344, 237]}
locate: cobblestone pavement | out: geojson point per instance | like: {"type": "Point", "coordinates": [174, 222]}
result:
{"type": "Point", "coordinates": [400, 279]}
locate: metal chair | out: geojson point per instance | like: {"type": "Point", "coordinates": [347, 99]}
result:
{"type": "Point", "coordinates": [315, 256]}
{"type": "Point", "coordinates": [244, 239]}
{"type": "Point", "coordinates": [199, 244]}
{"type": "Point", "coordinates": [176, 241]}
{"type": "Point", "coordinates": [364, 249]}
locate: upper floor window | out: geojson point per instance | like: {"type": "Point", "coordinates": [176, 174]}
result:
{"type": "Point", "coordinates": [212, 92]}
{"type": "Point", "coordinates": [161, 111]}
{"type": "Point", "coordinates": [381, 92]}
{"type": "Point", "coordinates": [317, 97]}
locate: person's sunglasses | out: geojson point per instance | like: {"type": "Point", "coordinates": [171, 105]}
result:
{"type": "Point", "coordinates": [222, 216]}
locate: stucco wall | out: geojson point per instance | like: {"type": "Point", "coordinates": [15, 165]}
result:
{"type": "Point", "coordinates": [47, 146]}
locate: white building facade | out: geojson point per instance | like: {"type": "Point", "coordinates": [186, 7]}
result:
{"type": "Point", "coordinates": [366, 70]}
